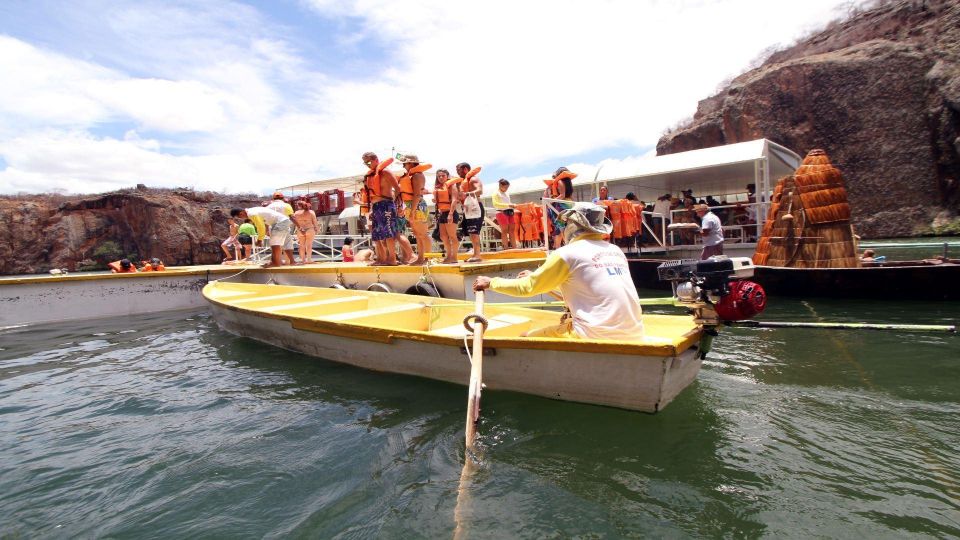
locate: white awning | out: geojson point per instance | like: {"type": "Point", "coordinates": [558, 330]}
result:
{"type": "Point", "coordinates": [719, 171]}
{"type": "Point", "coordinates": [350, 212]}
{"type": "Point", "coordinates": [348, 184]}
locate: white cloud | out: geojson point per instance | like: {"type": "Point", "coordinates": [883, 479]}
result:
{"type": "Point", "coordinates": [229, 102]}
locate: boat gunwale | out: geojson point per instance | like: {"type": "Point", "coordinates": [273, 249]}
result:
{"type": "Point", "coordinates": [387, 335]}
{"type": "Point", "coordinates": [318, 268]}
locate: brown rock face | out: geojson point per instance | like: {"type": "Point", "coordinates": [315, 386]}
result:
{"type": "Point", "coordinates": [880, 92]}
{"type": "Point", "coordinates": [180, 227]}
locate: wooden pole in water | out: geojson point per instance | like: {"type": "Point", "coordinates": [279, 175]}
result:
{"type": "Point", "coordinates": [473, 414]}
{"type": "Point", "coordinates": [476, 373]}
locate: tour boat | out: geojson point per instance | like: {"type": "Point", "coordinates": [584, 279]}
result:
{"type": "Point", "coordinates": [425, 337]}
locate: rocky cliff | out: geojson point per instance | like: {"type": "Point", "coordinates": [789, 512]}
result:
{"type": "Point", "coordinates": [178, 226]}
{"type": "Point", "coordinates": [880, 92]}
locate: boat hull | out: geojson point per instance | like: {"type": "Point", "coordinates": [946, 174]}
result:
{"type": "Point", "coordinates": [628, 381]}
{"type": "Point", "coordinates": [896, 281]}
{"type": "Point", "coordinates": [28, 300]}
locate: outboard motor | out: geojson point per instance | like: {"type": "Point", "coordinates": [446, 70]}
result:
{"type": "Point", "coordinates": [715, 290]}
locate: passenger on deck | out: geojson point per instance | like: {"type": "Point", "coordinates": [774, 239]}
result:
{"type": "Point", "coordinates": [414, 207]}
{"type": "Point", "coordinates": [347, 249]}
{"type": "Point", "coordinates": [470, 191]}
{"type": "Point", "coordinates": [153, 265]}
{"type": "Point", "coordinates": [506, 214]}
{"type": "Point", "coordinates": [711, 230]}
{"type": "Point", "coordinates": [591, 273]}
{"type": "Point", "coordinates": [123, 266]}
{"type": "Point", "coordinates": [306, 224]}
{"type": "Point", "coordinates": [230, 245]}
{"type": "Point", "coordinates": [384, 188]}
{"type": "Point", "coordinates": [604, 195]}
{"type": "Point", "coordinates": [245, 234]}
{"type": "Point", "coordinates": [280, 204]}
{"type": "Point", "coordinates": [279, 230]}
{"type": "Point", "coordinates": [560, 186]}
{"type": "Point", "coordinates": [365, 256]}
{"type": "Point", "coordinates": [445, 197]}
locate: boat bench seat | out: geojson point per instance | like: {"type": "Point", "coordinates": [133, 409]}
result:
{"type": "Point", "coordinates": [500, 325]}
{"type": "Point", "coordinates": [321, 307]}
{"type": "Point", "coordinates": [386, 312]}
{"type": "Point", "coordinates": [269, 298]}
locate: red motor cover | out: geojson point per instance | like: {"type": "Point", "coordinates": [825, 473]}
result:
{"type": "Point", "coordinates": [745, 300]}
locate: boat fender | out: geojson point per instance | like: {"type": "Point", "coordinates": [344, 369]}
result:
{"type": "Point", "coordinates": [380, 287]}
{"type": "Point", "coordinates": [745, 300]}
{"type": "Point", "coordinates": [422, 288]}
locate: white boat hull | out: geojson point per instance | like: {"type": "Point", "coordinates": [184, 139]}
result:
{"type": "Point", "coordinates": [643, 383]}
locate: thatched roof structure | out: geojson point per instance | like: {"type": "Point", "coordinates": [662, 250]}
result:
{"type": "Point", "coordinates": [808, 225]}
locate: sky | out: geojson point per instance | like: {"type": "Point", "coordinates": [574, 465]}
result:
{"type": "Point", "coordinates": [249, 96]}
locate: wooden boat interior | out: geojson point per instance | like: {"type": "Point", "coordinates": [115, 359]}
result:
{"type": "Point", "coordinates": [438, 317]}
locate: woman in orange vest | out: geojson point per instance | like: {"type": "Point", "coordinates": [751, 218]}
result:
{"type": "Point", "coordinates": [154, 265]}
{"type": "Point", "coordinates": [445, 195]}
{"type": "Point", "coordinates": [560, 186]}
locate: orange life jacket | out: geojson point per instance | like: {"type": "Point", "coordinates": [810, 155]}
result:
{"type": "Point", "coordinates": [147, 267]}
{"type": "Point", "coordinates": [406, 181]}
{"type": "Point", "coordinates": [371, 185]}
{"type": "Point", "coordinates": [117, 269]}
{"type": "Point", "coordinates": [531, 226]}
{"type": "Point", "coordinates": [631, 215]}
{"type": "Point", "coordinates": [554, 184]}
{"type": "Point", "coordinates": [441, 195]}
{"type": "Point", "coordinates": [464, 183]}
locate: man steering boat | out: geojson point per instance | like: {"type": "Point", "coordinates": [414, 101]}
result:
{"type": "Point", "coordinates": [591, 273]}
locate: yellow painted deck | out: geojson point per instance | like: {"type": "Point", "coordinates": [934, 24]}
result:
{"type": "Point", "coordinates": [382, 317]}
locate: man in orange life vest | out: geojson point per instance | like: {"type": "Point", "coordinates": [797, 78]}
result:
{"type": "Point", "coordinates": [414, 207]}
{"type": "Point", "coordinates": [471, 188]}
{"type": "Point", "coordinates": [383, 187]}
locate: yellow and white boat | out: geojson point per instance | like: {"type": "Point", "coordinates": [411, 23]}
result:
{"type": "Point", "coordinates": [424, 336]}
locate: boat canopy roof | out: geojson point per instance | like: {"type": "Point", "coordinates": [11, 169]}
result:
{"type": "Point", "coordinates": [719, 170]}
{"type": "Point", "coordinates": [348, 184]}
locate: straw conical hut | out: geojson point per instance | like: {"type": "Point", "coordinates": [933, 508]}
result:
{"type": "Point", "coordinates": [808, 225]}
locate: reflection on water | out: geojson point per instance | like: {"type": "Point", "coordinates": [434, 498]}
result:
{"type": "Point", "coordinates": [166, 426]}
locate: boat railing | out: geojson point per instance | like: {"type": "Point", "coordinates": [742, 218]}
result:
{"type": "Point", "coordinates": [329, 247]}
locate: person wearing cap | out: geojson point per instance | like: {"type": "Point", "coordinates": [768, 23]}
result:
{"type": "Point", "coordinates": [123, 266]}
{"type": "Point", "coordinates": [506, 211]}
{"type": "Point", "coordinates": [415, 207]}
{"type": "Point", "coordinates": [711, 230]}
{"type": "Point", "coordinates": [153, 265]}
{"type": "Point", "coordinates": [280, 204]}
{"type": "Point", "coordinates": [591, 273]}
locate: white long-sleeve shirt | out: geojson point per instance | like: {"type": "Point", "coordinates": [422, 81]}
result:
{"type": "Point", "coordinates": [595, 281]}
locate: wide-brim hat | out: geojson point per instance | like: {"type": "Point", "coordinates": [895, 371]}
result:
{"type": "Point", "coordinates": [409, 158]}
{"type": "Point", "coordinates": [588, 218]}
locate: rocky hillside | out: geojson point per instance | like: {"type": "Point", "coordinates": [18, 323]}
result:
{"type": "Point", "coordinates": [84, 232]}
{"type": "Point", "coordinates": [880, 92]}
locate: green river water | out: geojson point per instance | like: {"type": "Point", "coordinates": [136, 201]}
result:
{"type": "Point", "coordinates": [164, 426]}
